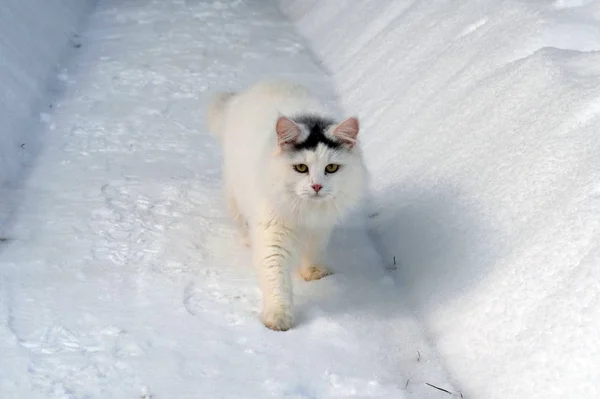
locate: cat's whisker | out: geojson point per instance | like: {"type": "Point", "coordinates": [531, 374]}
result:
{"type": "Point", "coordinates": [337, 209]}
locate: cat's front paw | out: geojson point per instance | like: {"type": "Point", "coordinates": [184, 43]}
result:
{"type": "Point", "coordinates": [278, 319]}
{"type": "Point", "coordinates": [314, 272]}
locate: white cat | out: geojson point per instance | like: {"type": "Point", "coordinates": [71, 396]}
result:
{"type": "Point", "coordinates": [291, 172]}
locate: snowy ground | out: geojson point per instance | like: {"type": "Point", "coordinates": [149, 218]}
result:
{"type": "Point", "coordinates": [122, 276]}
{"type": "Point", "coordinates": [482, 123]}
{"type": "Point", "coordinates": [35, 35]}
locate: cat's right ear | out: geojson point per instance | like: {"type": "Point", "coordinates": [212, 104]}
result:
{"type": "Point", "coordinates": [288, 131]}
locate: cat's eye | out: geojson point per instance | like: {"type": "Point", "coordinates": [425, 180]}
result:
{"type": "Point", "coordinates": [301, 168]}
{"type": "Point", "coordinates": [332, 168]}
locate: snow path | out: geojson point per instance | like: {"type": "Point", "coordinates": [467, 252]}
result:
{"type": "Point", "coordinates": [123, 277]}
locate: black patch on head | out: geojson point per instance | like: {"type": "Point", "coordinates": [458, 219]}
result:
{"type": "Point", "coordinates": [317, 126]}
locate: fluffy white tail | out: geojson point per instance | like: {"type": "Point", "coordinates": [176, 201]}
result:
{"type": "Point", "coordinates": [216, 112]}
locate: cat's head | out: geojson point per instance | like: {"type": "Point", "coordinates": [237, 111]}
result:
{"type": "Point", "coordinates": [320, 170]}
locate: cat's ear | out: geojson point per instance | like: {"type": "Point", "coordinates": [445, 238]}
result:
{"type": "Point", "coordinates": [288, 131]}
{"type": "Point", "coordinates": [347, 131]}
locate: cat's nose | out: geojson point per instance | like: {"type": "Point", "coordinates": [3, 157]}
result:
{"type": "Point", "coordinates": [317, 187]}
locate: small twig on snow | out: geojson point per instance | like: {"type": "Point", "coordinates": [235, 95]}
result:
{"type": "Point", "coordinates": [441, 389]}
{"type": "Point", "coordinates": [394, 265]}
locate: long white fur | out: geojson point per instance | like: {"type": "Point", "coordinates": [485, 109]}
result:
{"type": "Point", "coordinates": [273, 205]}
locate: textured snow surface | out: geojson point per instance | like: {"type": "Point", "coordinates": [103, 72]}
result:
{"type": "Point", "coordinates": [481, 126]}
{"type": "Point", "coordinates": [122, 276]}
{"type": "Point", "coordinates": [34, 35]}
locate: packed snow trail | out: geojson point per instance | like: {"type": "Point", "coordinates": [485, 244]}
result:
{"type": "Point", "coordinates": [124, 278]}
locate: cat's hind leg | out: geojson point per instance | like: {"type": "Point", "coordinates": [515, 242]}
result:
{"type": "Point", "coordinates": [238, 218]}
{"type": "Point", "coordinates": [312, 266]}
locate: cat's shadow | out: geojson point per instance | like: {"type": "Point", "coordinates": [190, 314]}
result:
{"type": "Point", "coordinates": [423, 247]}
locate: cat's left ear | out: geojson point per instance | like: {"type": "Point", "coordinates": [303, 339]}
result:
{"type": "Point", "coordinates": [347, 131]}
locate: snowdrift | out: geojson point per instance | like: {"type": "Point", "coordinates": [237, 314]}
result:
{"type": "Point", "coordinates": [481, 126]}
{"type": "Point", "coordinates": [34, 34]}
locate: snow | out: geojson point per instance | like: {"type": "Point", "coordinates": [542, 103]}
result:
{"type": "Point", "coordinates": [34, 35]}
{"type": "Point", "coordinates": [122, 276]}
{"type": "Point", "coordinates": [481, 125]}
